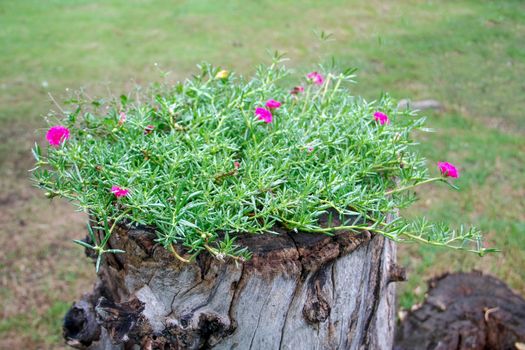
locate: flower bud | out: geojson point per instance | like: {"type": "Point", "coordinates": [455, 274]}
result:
{"type": "Point", "coordinates": [223, 74]}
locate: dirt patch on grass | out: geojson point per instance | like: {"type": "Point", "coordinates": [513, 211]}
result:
{"type": "Point", "coordinates": [41, 270]}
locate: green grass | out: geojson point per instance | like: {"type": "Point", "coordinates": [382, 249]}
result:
{"type": "Point", "coordinates": [491, 195]}
{"type": "Point", "coordinates": [469, 55]}
{"type": "Point", "coordinates": [44, 329]}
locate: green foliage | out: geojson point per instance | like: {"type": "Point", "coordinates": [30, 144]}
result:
{"type": "Point", "coordinates": [176, 152]}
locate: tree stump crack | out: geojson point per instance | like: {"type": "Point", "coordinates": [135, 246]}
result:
{"type": "Point", "coordinates": [353, 317]}
{"type": "Point", "coordinates": [332, 273]}
{"type": "Point", "coordinates": [294, 295]}
{"type": "Point", "coordinates": [237, 288]}
{"type": "Point", "coordinates": [375, 295]}
{"type": "Point", "coordinates": [258, 322]}
{"type": "Point", "coordinates": [300, 256]}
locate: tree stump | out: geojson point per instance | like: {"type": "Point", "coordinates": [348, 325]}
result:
{"type": "Point", "coordinates": [299, 291]}
{"type": "Point", "coordinates": [465, 311]}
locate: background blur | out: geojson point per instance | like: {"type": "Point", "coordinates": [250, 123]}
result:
{"type": "Point", "coordinates": [468, 55]}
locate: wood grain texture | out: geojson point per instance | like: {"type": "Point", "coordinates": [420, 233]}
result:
{"type": "Point", "coordinates": [299, 291]}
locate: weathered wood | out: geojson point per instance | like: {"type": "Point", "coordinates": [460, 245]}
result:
{"type": "Point", "coordinates": [299, 291]}
{"type": "Point", "coordinates": [465, 311]}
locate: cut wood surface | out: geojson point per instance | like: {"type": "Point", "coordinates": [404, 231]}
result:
{"type": "Point", "coordinates": [299, 291]}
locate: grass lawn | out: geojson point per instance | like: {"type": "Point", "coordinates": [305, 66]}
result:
{"type": "Point", "coordinates": [469, 55]}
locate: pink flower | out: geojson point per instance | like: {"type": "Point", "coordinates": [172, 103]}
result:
{"type": "Point", "coordinates": [236, 165]}
{"type": "Point", "coordinates": [310, 149]}
{"type": "Point", "coordinates": [315, 78]}
{"type": "Point", "coordinates": [381, 117]}
{"type": "Point", "coordinates": [296, 90]}
{"type": "Point", "coordinates": [148, 129]}
{"type": "Point", "coordinates": [263, 114]}
{"type": "Point", "coordinates": [448, 170]}
{"type": "Point", "coordinates": [57, 134]}
{"type": "Point", "coordinates": [119, 191]}
{"type": "Point", "coordinates": [122, 119]}
{"type": "Point", "coordinates": [272, 104]}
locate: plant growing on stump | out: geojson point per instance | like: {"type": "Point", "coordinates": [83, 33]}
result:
{"type": "Point", "coordinates": [218, 155]}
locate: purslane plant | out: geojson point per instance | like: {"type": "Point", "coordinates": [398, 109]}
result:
{"type": "Point", "coordinates": [217, 155]}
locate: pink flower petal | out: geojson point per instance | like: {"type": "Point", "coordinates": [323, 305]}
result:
{"type": "Point", "coordinates": [315, 78]}
{"type": "Point", "coordinates": [119, 191]}
{"type": "Point", "coordinates": [381, 117]}
{"type": "Point", "coordinates": [57, 134]}
{"type": "Point", "coordinates": [264, 115]}
{"type": "Point", "coordinates": [148, 129]}
{"type": "Point", "coordinates": [296, 90]}
{"type": "Point", "coordinates": [272, 104]}
{"type": "Point", "coordinates": [122, 119]}
{"type": "Point", "coordinates": [448, 170]}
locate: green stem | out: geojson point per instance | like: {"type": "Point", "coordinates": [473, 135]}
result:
{"type": "Point", "coordinates": [176, 255]}
{"type": "Point", "coordinates": [400, 189]}
{"type": "Point", "coordinates": [117, 219]}
{"type": "Point", "coordinates": [437, 244]}
{"type": "Point", "coordinates": [307, 99]}
{"type": "Point", "coordinates": [355, 228]}
{"type": "Point", "coordinates": [326, 84]}
{"type": "Point", "coordinates": [335, 88]}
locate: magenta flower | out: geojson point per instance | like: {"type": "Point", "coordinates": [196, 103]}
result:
{"type": "Point", "coordinates": [381, 117]}
{"type": "Point", "coordinates": [272, 104]}
{"type": "Point", "coordinates": [57, 134]}
{"type": "Point", "coordinates": [148, 129]}
{"type": "Point", "coordinates": [448, 170]}
{"type": "Point", "coordinates": [296, 90]}
{"type": "Point", "coordinates": [122, 119]}
{"type": "Point", "coordinates": [310, 149]}
{"type": "Point", "coordinates": [119, 191]}
{"type": "Point", "coordinates": [263, 114]}
{"type": "Point", "coordinates": [236, 165]}
{"type": "Point", "coordinates": [315, 78]}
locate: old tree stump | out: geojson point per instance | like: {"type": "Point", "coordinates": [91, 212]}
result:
{"type": "Point", "coordinates": [465, 311]}
{"type": "Point", "coordinates": [299, 291]}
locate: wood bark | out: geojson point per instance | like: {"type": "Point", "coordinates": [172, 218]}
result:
{"type": "Point", "coordinates": [465, 311]}
{"type": "Point", "coordinates": [299, 291]}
